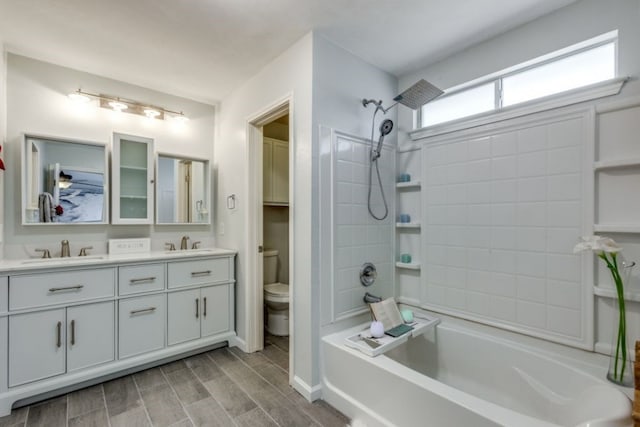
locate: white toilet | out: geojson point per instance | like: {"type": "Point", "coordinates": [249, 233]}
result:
{"type": "Point", "coordinates": [276, 296]}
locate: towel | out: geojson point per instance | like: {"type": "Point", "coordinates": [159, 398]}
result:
{"type": "Point", "coordinates": [45, 205]}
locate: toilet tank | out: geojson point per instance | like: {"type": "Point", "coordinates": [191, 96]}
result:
{"type": "Point", "coordinates": [270, 266]}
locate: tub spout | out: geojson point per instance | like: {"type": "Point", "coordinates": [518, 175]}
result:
{"type": "Point", "coordinates": [368, 298]}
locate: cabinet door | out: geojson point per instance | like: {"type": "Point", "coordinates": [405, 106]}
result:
{"type": "Point", "coordinates": [90, 335]}
{"type": "Point", "coordinates": [215, 309]}
{"type": "Point", "coordinates": [132, 192]}
{"type": "Point", "coordinates": [141, 325]}
{"type": "Point", "coordinates": [267, 165]}
{"type": "Point", "coordinates": [184, 314]}
{"type": "Point", "coordinates": [280, 172]}
{"type": "Point", "coordinates": [36, 346]}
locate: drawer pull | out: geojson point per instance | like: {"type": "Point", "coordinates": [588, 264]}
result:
{"type": "Point", "coordinates": [142, 280]}
{"type": "Point", "coordinates": [197, 308]}
{"type": "Point", "coordinates": [205, 307]}
{"type": "Point", "coordinates": [200, 273]}
{"type": "Point", "coordinates": [143, 310]}
{"type": "Point", "coordinates": [66, 288]}
{"type": "Point", "coordinates": [59, 334]}
{"type": "Point", "coordinates": [73, 332]}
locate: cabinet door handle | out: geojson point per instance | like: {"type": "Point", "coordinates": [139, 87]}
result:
{"type": "Point", "coordinates": [73, 332]}
{"type": "Point", "coordinates": [200, 273]}
{"type": "Point", "coordinates": [142, 310]}
{"type": "Point", "coordinates": [141, 280]}
{"type": "Point", "coordinates": [197, 307]}
{"type": "Point", "coordinates": [205, 307]}
{"type": "Point", "coordinates": [66, 288]}
{"type": "Point", "coordinates": [59, 334]}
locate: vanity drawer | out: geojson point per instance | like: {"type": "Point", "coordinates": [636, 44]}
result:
{"type": "Point", "coordinates": [37, 290]}
{"type": "Point", "coordinates": [141, 324]}
{"type": "Point", "coordinates": [187, 273]}
{"type": "Point", "coordinates": [135, 279]}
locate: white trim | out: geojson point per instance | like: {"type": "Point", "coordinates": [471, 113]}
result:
{"type": "Point", "coordinates": [308, 392]}
{"type": "Point", "coordinates": [563, 99]}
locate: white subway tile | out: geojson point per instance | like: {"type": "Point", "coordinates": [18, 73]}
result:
{"type": "Point", "coordinates": [479, 214]}
{"type": "Point", "coordinates": [564, 160]}
{"type": "Point", "coordinates": [564, 294]}
{"type": "Point", "coordinates": [533, 239]}
{"type": "Point", "coordinates": [457, 152]}
{"type": "Point", "coordinates": [565, 133]}
{"type": "Point", "coordinates": [478, 303]}
{"type": "Point", "coordinates": [437, 254]}
{"type": "Point", "coordinates": [456, 257]}
{"type": "Point", "coordinates": [437, 215]}
{"type": "Point", "coordinates": [456, 277]}
{"type": "Point", "coordinates": [479, 192]}
{"type": "Point", "coordinates": [437, 274]}
{"type": "Point", "coordinates": [532, 189]}
{"type": "Point", "coordinates": [504, 191]}
{"type": "Point", "coordinates": [564, 187]}
{"type": "Point", "coordinates": [503, 167]}
{"type": "Point", "coordinates": [503, 261]}
{"type": "Point", "coordinates": [360, 173]}
{"type": "Point", "coordinates": [455, 298]}
{"type": "Point", "coordinates": [437, 155]}
{"type": "Point", "coordinates": [503, 214]}
{"type": "Point", "coordinates": [564, 214]}
{"type": "Point", "coordinates": [437, 195]}
{"type": "Point", "coordinates": [564, 321]}
{"type": "Point", "coordinates": [361, 154]}
{"type": "Point", "coordinates": [479, 148]}
{"type": "Point", "coordinates": [478, 259]}
{"type": "Point", "coordinates": [344, 150]}
{"type": "Point", "coordinates": [562, 240]}
{"type": "Point", "coordinates": [503, 308]}
{"type": "Point", "coordinates": [344, 192]}
{"type": "Point", "coordinates": [532, 214]}
{"type": "Point", "coordinates": [532, 139]}
{"type": "Point", "coordinates": [457, 236]}
{"type": "Point", "coordinates": [532, 314]}
{"type": "Point", "coordinates": [532, 264]}
{"type": "Point", "coordinates": [343, 257]}
{"type": "Point", "coordinates": [564, 267]}
{"type": "Point", "coordinates": [435, 295]}
{"type": "Point", "coordinates": [531, 288]}
{"type": "Point", "coordinates": [479, 170]}
{"type": "Point", "coordinates": [344, 236]}
{"type": "Point", "coordinates": [504, 144]}
{"type": "Point", "coordinates": [480, 281]}
{"type": "Point", "coordinates": [343, 214]}
{"type": "Point", "coordinates": [457, 215]}
{"type": "Point", "coordinates": [503, 284]}
{"type": "Point", "coordinates": [344, 171]}
{"type": "Point", "coordinates": [532, 164]}
{"type": "Point", "coordinates": [478, 237]}
{"type": "Point", "coordinates": [456, 194]}
{"type": "Point", "coordinates": [436, 175]}
{"type": "Point", "coordinates": [457, 173]}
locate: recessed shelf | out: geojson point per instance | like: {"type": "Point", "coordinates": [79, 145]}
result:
{"type": "Point", "coordinates": [124, 196]}
{"type": "Point", "coordinates": [412, 225]}
{"type": "Point", "coordinates": [617, 228]}
{"type": "Point", "coordinates": [611, 293]}
{"type": "Point", "coordinates": [408, 265]}
{"type": "Point", "coordinates": [134, 168]}
{"type": "Point", "coordinates": [616, 164]}
{"type": "Point", "coordinates": [408, 185]}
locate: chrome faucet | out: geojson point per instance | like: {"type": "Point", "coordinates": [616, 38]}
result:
{"type": "Point", "coordinates": [183, 242]}
{"type": "Point", "coordinates": [65, 251]}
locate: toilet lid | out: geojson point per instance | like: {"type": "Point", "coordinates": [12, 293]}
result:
{"type": "Point", "coordinates": [278, 289]}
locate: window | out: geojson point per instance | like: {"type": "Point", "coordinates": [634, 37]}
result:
{"type": "Point", "coordinates": [564, 71]}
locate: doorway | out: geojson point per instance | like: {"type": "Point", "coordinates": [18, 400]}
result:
{"type": "Point", "coordinates": [271, 225]}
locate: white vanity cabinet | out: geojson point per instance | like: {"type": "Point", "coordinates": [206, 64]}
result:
{"type": "Point", "coordinates": [132, 192]}
{"type": "Point", "coordinates": [66, 326]}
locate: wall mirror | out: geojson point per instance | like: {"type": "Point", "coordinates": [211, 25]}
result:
{"type": "Point", "coordinates": [64, 181]}
{"type": "Point", "coordinates": [182, 190]}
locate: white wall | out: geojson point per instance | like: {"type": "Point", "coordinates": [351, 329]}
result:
{"type": "Point", "coordinates": [3, 135]}
{"type": "Point", "coordinates": [570, 25]}
{"type": "Point", "coordinates": [37, 103]}
{"type": "Point", "coordinates": [288, 75]}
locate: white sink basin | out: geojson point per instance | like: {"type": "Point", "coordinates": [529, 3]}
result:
{"type": "Point", "coordinates": [58, 261]}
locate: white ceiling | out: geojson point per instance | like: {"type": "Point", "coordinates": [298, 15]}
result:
{"type": "Point", "coordinates": [203, 49]}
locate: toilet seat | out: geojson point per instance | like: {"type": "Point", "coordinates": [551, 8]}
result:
{"type": "Point", "coordinates": [276, 292]}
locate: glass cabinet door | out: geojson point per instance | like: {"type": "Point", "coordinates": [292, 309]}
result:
{"type": "Point", "coordinates": [132, 194]}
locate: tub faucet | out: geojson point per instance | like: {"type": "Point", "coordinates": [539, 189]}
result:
{"type": "Point", "coordinates": [183, 242]}
{"type": "Point", "coordinates": [65, 252]}
{"type": "Point", "coordinates": [369, 298]}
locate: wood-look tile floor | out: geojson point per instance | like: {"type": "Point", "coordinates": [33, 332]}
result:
{"type": "Point", "coordinates": [223, 387]}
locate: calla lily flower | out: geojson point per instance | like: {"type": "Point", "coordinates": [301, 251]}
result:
{"type": "Point", "coordinates": [597, 244]}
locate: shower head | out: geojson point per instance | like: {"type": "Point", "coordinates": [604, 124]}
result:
{"type": "Point", "coordinates": [418, 95]}
{"type": "Point", "coordinates": [385, 129]}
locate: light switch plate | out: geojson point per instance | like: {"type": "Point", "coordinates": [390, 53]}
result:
{"type": "Point", "coordinates": [129, 246]}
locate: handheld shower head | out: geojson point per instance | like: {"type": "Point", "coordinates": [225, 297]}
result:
{"type": "Point", "coordinates": [385, 129]}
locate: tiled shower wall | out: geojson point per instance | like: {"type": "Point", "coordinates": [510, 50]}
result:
{"type": "Point", "coordinates": [357, 237]}
{"type": "Point", "coordinates": [502, 210]}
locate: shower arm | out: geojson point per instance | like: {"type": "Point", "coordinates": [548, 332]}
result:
{"type": "Point", "coordinates": [378, 105]}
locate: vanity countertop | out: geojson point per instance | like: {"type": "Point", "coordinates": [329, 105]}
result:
{"type": "Point", "coordinates": [24, 265]}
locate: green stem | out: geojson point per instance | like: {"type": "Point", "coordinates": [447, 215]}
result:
{"type": "Point", "coordinates": [621, 341]}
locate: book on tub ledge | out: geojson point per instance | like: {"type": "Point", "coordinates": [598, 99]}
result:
{"type": "Point", "coordinates": [396, 330]}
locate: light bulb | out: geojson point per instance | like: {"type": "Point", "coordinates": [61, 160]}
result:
{"type": "Point", "coordinates": [118, 106]}
{"type": "Point", "coordinates": [79, 98]}
{"type": "Point", "coordinates": [151, 113]}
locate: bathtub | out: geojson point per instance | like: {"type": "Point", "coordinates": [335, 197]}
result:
{"type": "Point", "coordinates": [457, 376]}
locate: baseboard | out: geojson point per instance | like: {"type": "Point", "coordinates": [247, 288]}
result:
{"type": "Point", "coordinates": [238, 342]}
{"type": "Point", "coordinates": [308, 392]}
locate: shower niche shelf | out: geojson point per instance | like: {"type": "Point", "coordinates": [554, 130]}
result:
{"type": "Point", "coordinates": [601, 291]}
{"type": "Point", "coordinates": [408, 265]}
{"type": "Point", "coordinates": [408, 225]}
{"type": "Point", "coordinates": [616, 228]}
{"type": "Point", "coordinates": [410, 185]}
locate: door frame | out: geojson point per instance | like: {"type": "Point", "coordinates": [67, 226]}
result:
{"type": "Point", "coordinates": [254, 218]}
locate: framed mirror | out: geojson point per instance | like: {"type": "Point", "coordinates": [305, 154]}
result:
{"type": "Point", "coordinates": [182, 190]}
{"type": "Point", "coordinates": [64, 181]}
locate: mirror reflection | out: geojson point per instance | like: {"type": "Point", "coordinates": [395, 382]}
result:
{"type": "Point", "coordinates": [64, 182]}
{"type": "Point", "coordinates": [182, 188]}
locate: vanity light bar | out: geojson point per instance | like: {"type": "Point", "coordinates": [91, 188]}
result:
{"type": "Point", "coordinates": [129, 106]}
